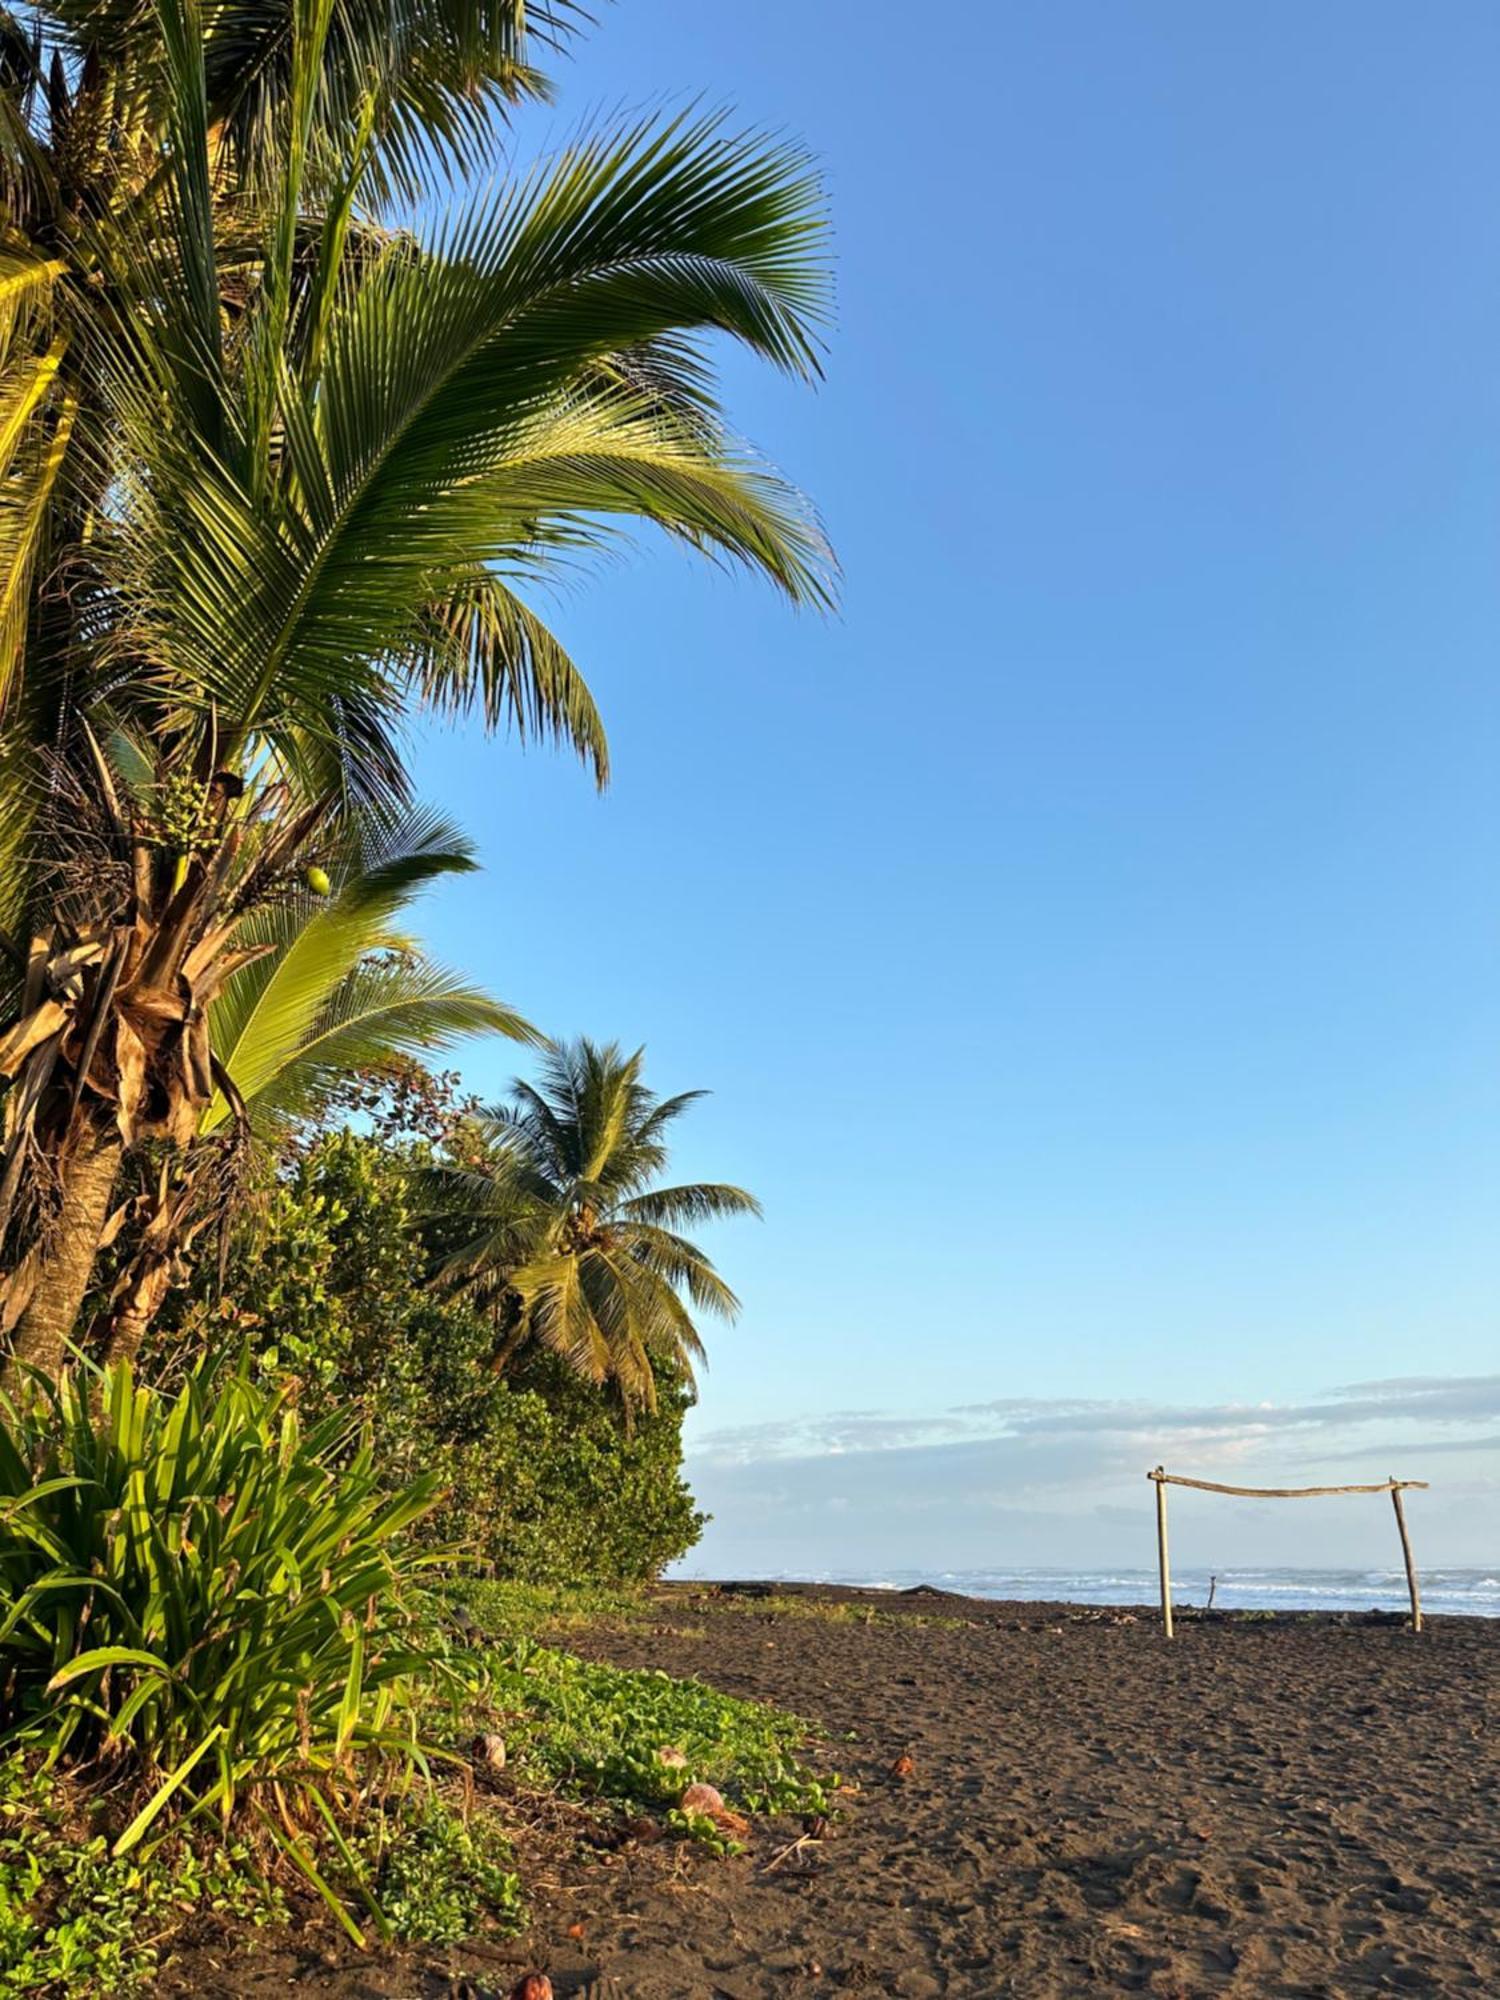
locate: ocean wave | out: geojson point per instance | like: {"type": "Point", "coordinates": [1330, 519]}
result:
{"type": "Point", "coordinates": [1456, 1591]}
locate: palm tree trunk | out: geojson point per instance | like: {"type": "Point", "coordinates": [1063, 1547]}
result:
{"type": "Point", "coordinates": [505, 1353]}
{"type": "Point", "coordinates": [136, 1311]}
{"type": "Point", "coordinates": [48, 1321]}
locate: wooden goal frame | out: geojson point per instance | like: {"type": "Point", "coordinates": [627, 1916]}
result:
{"type": "Point", "coordinates": [1161, 1480]}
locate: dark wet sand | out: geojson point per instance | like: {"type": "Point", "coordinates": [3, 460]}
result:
{"type": "Point", "coordinates": [1258, 1809]}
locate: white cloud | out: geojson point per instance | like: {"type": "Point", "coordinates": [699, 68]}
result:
{"type": "Point", "coordinates": [1026, 1482]}
{"type": "Point", "coordinates": [1462, 1399]}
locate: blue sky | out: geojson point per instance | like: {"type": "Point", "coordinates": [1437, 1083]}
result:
{"type": "Point", "coordinates": [1090, 934]}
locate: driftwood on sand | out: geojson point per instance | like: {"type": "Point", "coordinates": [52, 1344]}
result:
{"type": "Point", "coordinates": [1395, 1487]}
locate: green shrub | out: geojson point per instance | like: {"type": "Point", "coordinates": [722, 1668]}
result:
{"type": "Point", "coordinates": [543, 1478]}
{"type": "Point", "coordinates": [557, 1486]}
{"type": "Point", "coordinates": [199, 1596]}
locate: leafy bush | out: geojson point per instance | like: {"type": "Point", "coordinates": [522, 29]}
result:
{"type": "Point", "coordinates": [543, 1477]}
{"type": "Point", "coordinates": [558, 1487]}
{"type": "Point", "coordinates": [196, 1591]}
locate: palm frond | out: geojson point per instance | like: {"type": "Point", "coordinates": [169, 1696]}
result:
{"type": "Point", "coordinates": [460, 421]}
{"type": "Point", "coordinates": [404, 1004]}
{"type": "Point", "coordinates": [25, 503]}
{"type": "Point", "coordinates": [699, 1201]}
{"type": "Point", "coordinates": [284, 1022]}
{"type": "Point", "coordinates": [683, 1264]}
{"type": "Point", "coordinates": [483, 648]}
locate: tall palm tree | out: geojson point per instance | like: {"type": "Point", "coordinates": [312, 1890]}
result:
{"type": "Point", "coordinates": [291, 473]}
{"type": "Point", "coordinates": [564, 1235]}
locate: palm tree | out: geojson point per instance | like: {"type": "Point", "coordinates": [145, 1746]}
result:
{"type": "Point", "coordinates": [340, 988]}
{"type": "Point", "coordinates": [564, 1236]}
{"type": "Point", "coordinates": [291, 473]}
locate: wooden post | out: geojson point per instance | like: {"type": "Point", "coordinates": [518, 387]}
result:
{"type": "Point", "coordinates": [1161, 1549]}
{"type": "Point", "coordinates": [1161, 1479]}
{"type": "Point", "coordinates": [1411, 1568]}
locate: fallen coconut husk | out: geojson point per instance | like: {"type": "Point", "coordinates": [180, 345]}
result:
{"type": "Point", "coordinates": [708, 1801]}
{"type": "Point", "coordinates": [488, 1750]}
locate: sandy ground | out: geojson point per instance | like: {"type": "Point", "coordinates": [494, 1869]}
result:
{"type": "Point", "coordinates": [1258, 1809]}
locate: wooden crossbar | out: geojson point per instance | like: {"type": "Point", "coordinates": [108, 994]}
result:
{"type": "Point", "coordinates": [1284, 1492]}
{"type": "Point", "coordinates": [1162, 1479]}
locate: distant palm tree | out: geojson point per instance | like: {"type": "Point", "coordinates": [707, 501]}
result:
{"type": "Point", "coordinates": [564, 1234]}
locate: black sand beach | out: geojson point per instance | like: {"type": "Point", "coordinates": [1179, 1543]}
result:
{"type": "Point", "coordinates": [1265, 1808]}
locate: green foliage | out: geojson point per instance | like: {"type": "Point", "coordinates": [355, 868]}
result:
{"type": "Point", "coordinates": [301, 464]}
{"type": "Point", "coordinates": [339, 984]}
{"type": "Point", "coordinates": [543, 1476]}
{"type": "Point", "coordinates": [599, 1731]}
{"type": "Point", "coordinates": [195, 1590]}
{"type": "Point", "coordinates": [74, 1920]}
{"type": "Point", "coordinates": [294, 533]}
{"type": "Point", "coordinates": [825, 1610]}
{"type": "Point", "coordinates": [559, 1486]}
{"type": "Point", "coordinates": [530, 1610]}
{"type": "Point", "coordinates": [439, 1872]}
{"type": "Point", "coordinates": [322, 519]}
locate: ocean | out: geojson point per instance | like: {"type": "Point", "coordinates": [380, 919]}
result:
{"type": "Point", "coordinates": [1469, 1593]}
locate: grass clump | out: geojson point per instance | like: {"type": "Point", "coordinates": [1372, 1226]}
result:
{"type": "Point", "coordinates": [211, 1616]}
{"type": "Point", "coordinates": [824, 1610]}
{"type": "Point", "coordinates": [198, 1594]}
{"type": "Point", "coordinates": [506, 1611]}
